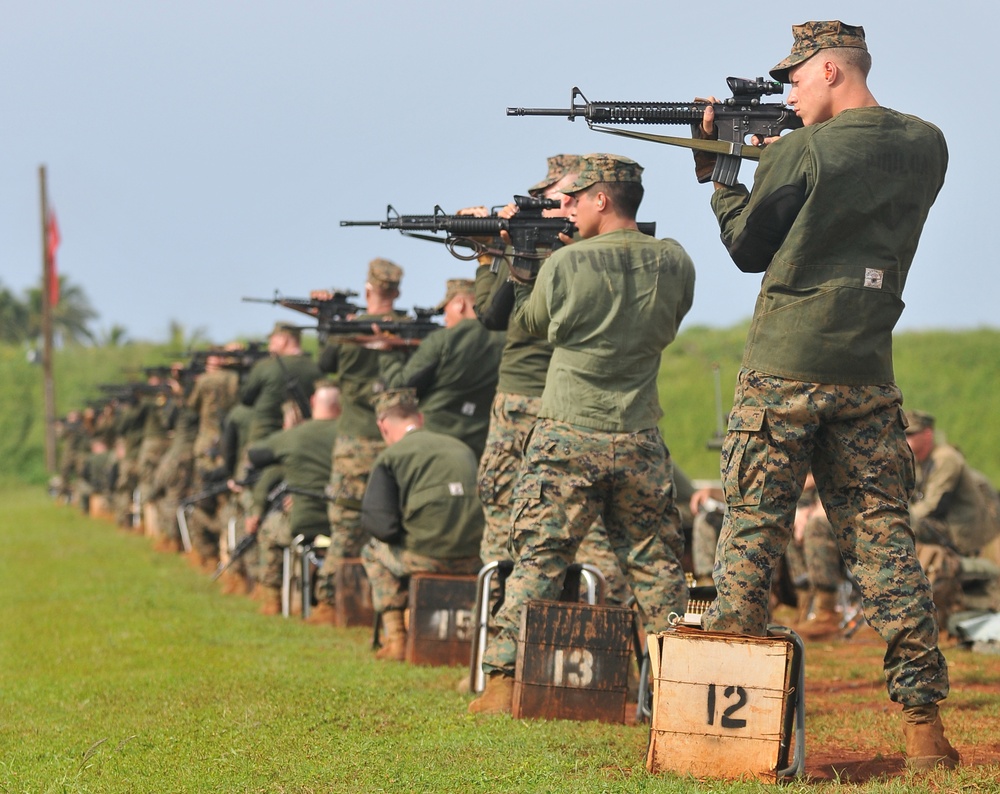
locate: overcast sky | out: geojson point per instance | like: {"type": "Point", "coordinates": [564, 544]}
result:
{"type": "Point", "coordinates": [201, 151]}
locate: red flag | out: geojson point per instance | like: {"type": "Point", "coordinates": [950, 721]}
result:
{"type": "Point", "coordinates": [53, 245]}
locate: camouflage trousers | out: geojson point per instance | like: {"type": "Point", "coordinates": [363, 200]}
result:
{"type": "Point", "coordinates": [389, 569]}
{"type": "Point", "coordinates": [943, 568]}
{"type": "Point", "coordinates": [125, 485]}
{"type": "Point", "coordinates": [704, 540]}
{"type": "Point", "coordinates": [353, 457]}
{"type": "Point", "coordinates": [572, 475]}
{"type": "Point", "coordinates": [511, 419]}
{"type": "Point", "coordinates": [274, 535]}
{"type": "Point", "coordinates": [823, 566]}
{"type": "Point", "coordinates": [204, 523]}
{"type": "Point", "coordinates": [852, 437]}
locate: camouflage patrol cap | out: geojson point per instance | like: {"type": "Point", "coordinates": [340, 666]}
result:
{"type": "Point", "coordinates": [918, 421]}
{"type": "Point", "coordinates": [288, 329]}
{"type": "Point", "coordinates": [559, 166]}
{"type": "Point", "coordinates": [811, 37]}
{"type": "Point", "coordinates": [384, 274]}
{"type": "Point", "coordinates": [402, 400]}
{"type": "Point", "coordinates": [596, 168]}
{"type": "Point", "coordinates": [456, 286]}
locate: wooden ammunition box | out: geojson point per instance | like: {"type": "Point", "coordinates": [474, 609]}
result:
{"type": "Point", "coordinates": [441, 619]}
{"type": "Point", "coordinates": [353, 595]}
{"type": "Point", "coordinates": [721, 704]}
{"type": "Point", "coordinates": [573, 662]}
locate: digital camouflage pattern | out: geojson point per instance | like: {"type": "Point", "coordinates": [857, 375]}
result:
{"type": "Point", "coordinates": [353, 457]}
{"type": "Point", "coordinates": [821, 554]}
{"type": "Point", "coordinates": [597, 168]}
{"type": "Point", "coordinates": [571, 476]}
{"type": "Point", "coordinates": [384, 274]}
{"type": "Point", "coordinates": [455, 287]}
{"type": "Point", "coordinates": [512, 417]}
{"type": "Point", "coordinates": [404, 399]}
{"type": "Point", "coordinates": [852, 438]}
{"type": "Point", "coordinates": [559, 165]}
{"type": "Point", "coordinates": [811, 37]}
{"type": "Point", "coordinates": [389, 569]}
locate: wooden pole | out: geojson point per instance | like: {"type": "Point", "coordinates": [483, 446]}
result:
{"type": "Point", "coordinates": [47, 379]}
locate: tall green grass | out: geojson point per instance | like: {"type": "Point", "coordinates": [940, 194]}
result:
{"type": "Point", "coordinates": [123, 670]}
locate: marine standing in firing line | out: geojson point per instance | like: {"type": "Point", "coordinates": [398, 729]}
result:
{"type": "Point", "coordinates": [833, 222]}
{"type": "Point", "coordinates": [596, 448]}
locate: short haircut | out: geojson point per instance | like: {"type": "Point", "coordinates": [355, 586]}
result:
{"type": "Point", "coordinates": [625, 196]}
{"type": "Point", "coordinates": [855, 58]}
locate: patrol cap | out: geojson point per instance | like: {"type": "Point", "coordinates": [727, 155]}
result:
{"type": "Point", "coordinates": [917, 421]}
{"type": "Point", "coordinates": [403, 400]}
{"type": "Point", "coordinates": [384, 274]}
{"type": "Point", "coordinates": [288, 329]}
{"type": "Point", "coordinates": [596, 168]}
{"type": "Point", "coordinates": [559, 166]}
{"type": "Point", "coordinates": [811, 37]}
{"type": "Point", "coordinates": [456, 286]}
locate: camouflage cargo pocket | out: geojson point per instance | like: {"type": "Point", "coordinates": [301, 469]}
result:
{"type": "Point", "coordinates": [745, 457]}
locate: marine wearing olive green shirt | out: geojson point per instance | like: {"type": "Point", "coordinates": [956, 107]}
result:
{"type": "Point", "coordinates": [829, 299]}
{"type": "Point", "coordinates": [607, 352]}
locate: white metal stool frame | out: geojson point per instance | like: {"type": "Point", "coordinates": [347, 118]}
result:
{"type": "Point", "coordinates": [589, 575]}
{"type": "Point", "coordinates": [299, 555]}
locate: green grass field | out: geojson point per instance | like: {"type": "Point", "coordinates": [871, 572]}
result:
{"type": "Point", "coordinates": [124, 670]}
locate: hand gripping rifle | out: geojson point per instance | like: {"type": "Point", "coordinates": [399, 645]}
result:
{"type": "Point", "coordinates": [737, 118]}
{"type": "Point", "coordinates": [533, 237]}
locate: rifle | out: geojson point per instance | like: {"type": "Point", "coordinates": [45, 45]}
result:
{"type": "Point", "coordinates": [533, 236]}
{"type": "Point", "coordinates": [337, 307]}
{"type": "Point", "coordinates": [216, 489]}
{"type": "Point", "coordinates": [736, 118]}
{"type": "Point", "coordinates": [274, 497]}
{"type": "Point", "coordinates": [335, 318]}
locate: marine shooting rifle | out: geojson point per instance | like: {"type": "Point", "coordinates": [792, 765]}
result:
{"type": "Point", "coordinates": [239, 359]}
{"type": "Point", "coordinates": [737, 118]}
{"type": "Point", "coordinates": [336, 307]}
{"type": "Point", "coordinates": [336, 317]}
{"type": "Point", "coordinates": [533, 236]}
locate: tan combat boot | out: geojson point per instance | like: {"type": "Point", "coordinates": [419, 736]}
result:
{"type": "Point", "coordinates": [394, 639]}
{"type": "Point", "coordinates": [926, 745]}
{"type": "Point", "coordinates": [497, 697]}
{"type": "Point", "coordinates": [270, 598]}
{"type": "Point", "coordinates": [825, 622]}
{"type": "Point", "coordinates": [323, 614]}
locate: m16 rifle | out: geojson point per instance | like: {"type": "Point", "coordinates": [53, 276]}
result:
{"type": "Point", "coordinates": [334, 305]}
{"type": "Point", "coordinates": [736, 118]}
{"type": "Point", "coordinates": [336, 320]}
{"type": "Point", "coordinates": [533, 236]}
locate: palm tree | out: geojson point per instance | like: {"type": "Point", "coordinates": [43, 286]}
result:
{"type": "Point", "coordinates": [13, 317]}
{"type": "Point", "coordinates": [71, 316]}
{"type": "Point", "coordinates": [115, 336]}
{"type": "Point", "coordinates": [179, 339]}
